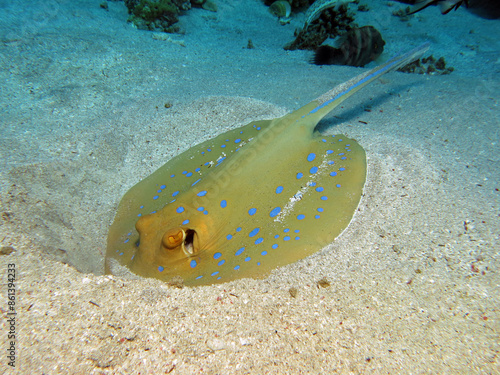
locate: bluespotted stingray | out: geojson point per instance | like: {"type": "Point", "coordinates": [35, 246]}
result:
{"type": "Point", "coordinates": [252, 199]}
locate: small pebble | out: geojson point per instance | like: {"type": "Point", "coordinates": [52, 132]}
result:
{"type": "Point", "coordinates": [6, 250]}
{"type": "Point", "coordinates": [324, 283]}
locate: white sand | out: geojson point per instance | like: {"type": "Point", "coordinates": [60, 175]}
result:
{"type": "Point", "coordinates": [414, 280]}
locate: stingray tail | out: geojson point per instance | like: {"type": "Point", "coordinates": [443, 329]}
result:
{"type": "Point", "coordinates": [331, 99]}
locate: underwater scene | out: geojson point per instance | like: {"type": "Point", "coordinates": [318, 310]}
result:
{"type": "Point", "coordinates": [250, 186]}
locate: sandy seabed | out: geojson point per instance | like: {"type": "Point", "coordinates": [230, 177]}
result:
{"type": "Point", "coordinates": [413, 282]}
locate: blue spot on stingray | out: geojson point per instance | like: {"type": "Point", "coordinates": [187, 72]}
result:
{"type": "Point", "coordinates": [296, 231]}
{"type": "Point", "coordinates": [331, 162]}
{"type": "Point", "coordinates": [333, 174]}
{"type": "Point", "coordinates": [214, 273]}
{"type": "Point", "coordinates": [299, 176]}
{"type": "Point", "coordinates": [189, 174]}
{"type": "Point", "coordinates": [229, 236]}
{"type": "Point", "coordinates": [329, 152]}
{"type": "Point", "coordinates": [158, 191]}
{"type": "Point", "coordinates": [163, 186]}
{"type": "Point", "coordinates": [316, 216]}
{"type": "Point", "coordinates": [160, 268]}
{"type": "Point", "coordinates": [320, 209]}
{"type": "Point", "coordinates": [223, 203]}
{"type": "Point", "coordinates": [127, 240]}
{"type": "Point", "coordinates": [313, 170]}
{"type": "Point", "coordinates": [258, 263]}
{"type": "Point", "coordinates": [342, 169]}
{"type": "Point", "coordinates": [286, 238]}
{"type": "Point", "coordinates": [264, 253]}
{"type": "Point", "coordinates": [139, 215]}
{"type": "Point", "coordinates": [342, 153]}
{"type": "Point", "coordinates": [120, 254]}
{"type": "Point", "coordinates": [311, 156]}
{"type": "Point", "coordinates": [209, 149]}
{"type": "Point", "coordinates": [185, 222]}
{"type": "Point", "coordinates": [184, 172]}
{"type": "Point", "coordinates": [238, 229]}
{"type": "Point", "coordinates": [172, 175]}
{"type": "Point", "coordinates": [193, 263]}
{"type": "Point", "coordinates": [180, 209]}
{"type": "Point", "coordinates": [275, 211]}
{"type": "Point", "coordinates": [141, 207]}
{"type": "Point", "coordinates": [338, 185]}
{"type": "Point", "coordinates": [237, 140]}
{"type": "Point", "coordinates": [312, 183]}
{"type": "Point", "coordinates": [194, 183]}
{"type": "Point", "coordinates": [217, 255]}
{"type": "Point", "coordinates": [343, 158]}
{"type": "Point", "coordinates": [222, 146]}
{"type": "Point", "coordinates": [279, 189]}
{"type": "Point", "coordinates": [237, 267]}
{"type": "Point", "coordinates": [319, 189]}
{"type": "Point", "coordinates": [200, 208]}
{"type": "Point", "coordinates": [205, 212]}
{"type": "Point", "coordinates": [276, 236]}
{"type": "Point", "coordinates": [275, 246]}
{"type": "Point", "coordinates": [175, 193]}
{"type": "Point", "coordinates": [197, 169]}
{"type": "Point", "coordinates": [286, 230]}
{"type": "Point", "coordinates": [297, 238]}
{"type": "Point", "coordinates": [252, 211]}
{"type": "Point", "coordinates": [253, 232]}
{"type": "Point", "coordinates": [324, 198]}
{"type": "Point", "coordinates": [221, 262]}
{"type": "Point", "coordinates": [259, 240]}
{"type": "Point", "coordinates": [202, 193]}
{"type": "Point", "coordinates": [156, 197]}
{"type": "Point", "coordinates": [240, 251]}
{"type": "Point", "coordinates": [199, 277]}
{"type": "Point", "coordinates": [301, 217]}
{"type": "Point", "coordinates": [247, 259]}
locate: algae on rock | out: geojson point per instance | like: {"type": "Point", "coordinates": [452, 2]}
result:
{"type": "Point", "coordinates": [161, 15]}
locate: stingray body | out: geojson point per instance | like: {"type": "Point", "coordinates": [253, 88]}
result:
{"type": "Point", "coordinates": [252, 199]}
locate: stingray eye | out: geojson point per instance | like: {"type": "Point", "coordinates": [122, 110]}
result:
{"type": "Point", "coordinates": [173, 238]}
